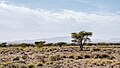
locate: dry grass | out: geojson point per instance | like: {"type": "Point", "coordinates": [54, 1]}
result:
{"type": "Point", "coordinates": [60, 57]}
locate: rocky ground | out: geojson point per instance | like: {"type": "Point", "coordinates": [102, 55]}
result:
{"type": "Point", "coordinates": [60, 57]}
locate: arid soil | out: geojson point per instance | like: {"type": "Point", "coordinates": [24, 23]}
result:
{"type": "Point", "coordinates": [60, 57]}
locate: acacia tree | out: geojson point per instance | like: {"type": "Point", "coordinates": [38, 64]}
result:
{"type": "Point", "coordinates": [81, 38]}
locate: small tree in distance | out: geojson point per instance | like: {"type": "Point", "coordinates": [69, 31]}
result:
{"type": "Point", "coordinates": [61, 43]}
{"type": "Point", "coordinates": [40, 43]}
{"type": "Point", "coordinates": [81, 38]}
{"type": "Point", "coordinates": [3, 44]}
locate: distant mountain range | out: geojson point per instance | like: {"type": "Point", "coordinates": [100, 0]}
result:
{"type": "Point", "coordinates": [62, 39]}
{"type": "Point", "coordinates": [48, 40]}
{"type": "Point", "coordinates": [112, 40]}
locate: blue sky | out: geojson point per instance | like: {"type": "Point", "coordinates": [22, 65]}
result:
{"type": "Point", "coordinates": [77, 5]}
{"type": "Point", "coordinates": [35, 19]}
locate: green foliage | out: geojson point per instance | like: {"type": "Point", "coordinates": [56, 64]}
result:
{"type": "Point", "coordinates": [3, 44]}
{"type": "Point", "coordinates": [23, 45]}
{"type": "Point", "coordinates": [40, 43]}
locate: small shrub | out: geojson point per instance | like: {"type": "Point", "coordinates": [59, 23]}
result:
{"type": "Point", "coordinates": [71, 57]}
{"type": "Point", "coordinates": [101, 56]}
{"type": "Point", "coordinates": [10, 65]}
{"type": "Point", "coordinates": [79, 57]}
{"type": "Point", "coordinates": [39, 42]}
{"type": "Point", "coordinates": [39, 64]}
{"type": "Point", "coordinates": [108, 62]}
{"type": "Point", "coordinates": [55, 58]}
{"type": "Point", "coordinates": [14, 66]}
{"type": "Point", "coordinates": [66, 50]}
{"type": "Point", "coordinates": [64, 57]}
{"type": "Point", "coordinates": [16, 58]}
{"type": "Point", "coordinates": [96, 49]}
{"type": "Point", "coordinates": [86, 56]}
{"type": "Point", "coordinates": [3, 44]}
{"type": "Point", "coordinates": [49, 63]}
{"type": "Point", "coordinates": [48, 44]}
{"type": "Point", "coordinates": [23, 45]}
{"type": "Point", "coordinates": [23, 66]}
{"type": "Point", "coordinates": [111, 57]}
{"type": "Point", "coordinates": [25, 57]}
{"type": "Point", "coordinates": [31, 66]}
{"type": "Point", "coordinates": [97, 56]}
{"type": "Point", "coordinates": [105, 56]}
{"type": "Point", "coordinates": [117, 63]}
{"type": "Point", "coordinates": [39, 45]}
{"type": "Point", "coordinates": [61, 43]}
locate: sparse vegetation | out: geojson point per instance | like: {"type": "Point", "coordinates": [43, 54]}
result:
{"type": "Point", "coordinates": [61, 54]}
{"type": "Point", "coordinates": [50, 56]}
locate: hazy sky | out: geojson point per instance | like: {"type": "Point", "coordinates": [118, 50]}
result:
{"type": "Point", "coordinates": [35, 19]}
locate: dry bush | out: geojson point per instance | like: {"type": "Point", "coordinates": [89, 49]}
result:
{"type": "Point", "coordinates": [31, 66]}
{"type": "Point", "coordinates": [16, 58]}
{"type": "Point", "coordinates": [96, 49]}
{"type": "Point", "coordinates": [39, 64]}
{"type": "Point", "coordinates": [54, 57]}
{"type": "Point", "coordinates": [100, 62]}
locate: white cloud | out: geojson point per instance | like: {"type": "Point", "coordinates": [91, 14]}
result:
{"type": "Point", "coordinates": [25, 23]}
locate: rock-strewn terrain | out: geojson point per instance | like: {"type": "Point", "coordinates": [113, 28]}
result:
{"type": "Point", "coordinates": [60, 57]}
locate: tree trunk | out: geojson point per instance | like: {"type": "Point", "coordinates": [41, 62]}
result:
{"type": "Point", "coordinates": [81, 45]}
